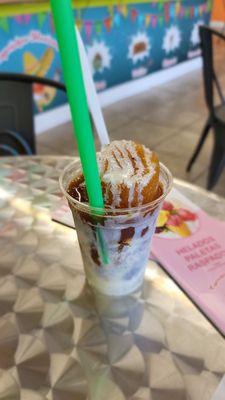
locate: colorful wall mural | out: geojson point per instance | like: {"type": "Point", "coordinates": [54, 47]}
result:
{"type": "Point", "coordinates": [123, 42]}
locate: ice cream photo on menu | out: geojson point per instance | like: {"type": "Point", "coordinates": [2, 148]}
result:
{"type": "Point", "coordinates": [176, 221]}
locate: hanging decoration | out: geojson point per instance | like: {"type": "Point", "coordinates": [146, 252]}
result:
{"type": "Point", "coordinates": [141, 19]}
{"type": "Point", "coordinates": [167, 12]}
{"type": "Point", "coordinates": [154, 21]}
{"type": "Point", "coordinates": [23, 19]}
{"type": "Point", "coordinates": [123, 10]}
{"type": "Point", "coordinates": [79, 24]}
{"type": "Point", "coordinates": [98, 27]}
{"type": "Point", "coordinates": [108, 23]}
{"type": "Point", "coordinates": [41, 17]}
{"type": "Point", "coordinates": [147, 20]}
{"type": "Point", "coordinates": [133, 14]}
{"type": "Point", "coordinates": [164, 11]}
{"type": "Point", "coordinates": [4, 24]}
{"type": "Point", "coordinates": [117, 19]}
{"type": "Point", "coordinates": [88, 28]}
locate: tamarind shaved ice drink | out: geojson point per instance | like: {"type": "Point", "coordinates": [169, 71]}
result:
{"type": "Point", "coordinates": [115, 241]}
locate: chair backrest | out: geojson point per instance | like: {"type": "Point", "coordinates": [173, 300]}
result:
{"type": "Point", "coordinates": [16, 115]}
{"type": "Point", "coordinates": [17, 134]}
{"type": "Point", "coordinates": [211, 80]}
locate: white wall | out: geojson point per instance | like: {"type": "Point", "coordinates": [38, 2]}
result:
{"type": "Point", "coordinates": [61, 115]}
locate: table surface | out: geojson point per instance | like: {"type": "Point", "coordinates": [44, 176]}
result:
{"type": "Point", "coordinates": [60, 341]}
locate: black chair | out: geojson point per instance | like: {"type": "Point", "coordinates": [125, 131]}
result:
{"type": "Point", "coordinates": [17, 134]}
{"type": "Point", "coordinates": [216, 118]}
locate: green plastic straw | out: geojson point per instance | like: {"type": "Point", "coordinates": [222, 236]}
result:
{"type": "Point", "coordinates": [65, 31]}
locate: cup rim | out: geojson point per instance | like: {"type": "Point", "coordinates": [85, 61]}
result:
{"type": "Point", "coordinates": [111, 211]}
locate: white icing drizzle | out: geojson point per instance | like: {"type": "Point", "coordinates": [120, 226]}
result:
{"type": "Point", "coordinates": [124, 166]}
{"type": "Point", "coordinates": [138, 162]}
{"type": "Point", "coordinates": [107, 194]}
{"type": "Point", "coordinates": [131, 195]}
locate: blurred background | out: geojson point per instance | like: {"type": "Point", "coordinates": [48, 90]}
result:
{"type": "Point", "coordinates": [159, 81]}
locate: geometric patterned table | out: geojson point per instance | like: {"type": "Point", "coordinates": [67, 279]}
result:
{"type": "Point", "coordinates": [60, 341]}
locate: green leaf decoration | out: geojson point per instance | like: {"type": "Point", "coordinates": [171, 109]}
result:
{"type": "Point", "coordinates": [4, 24]}
{"type": "Point", "coordinates": [41, 19]}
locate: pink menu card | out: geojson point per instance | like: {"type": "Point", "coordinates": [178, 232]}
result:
{"type": "Point", "coordinates": [190, 245]}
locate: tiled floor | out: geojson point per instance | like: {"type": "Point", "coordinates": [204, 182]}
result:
{"type": "Point", "coordinates": [168, 119]}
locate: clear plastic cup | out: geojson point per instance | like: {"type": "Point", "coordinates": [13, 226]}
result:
{"type": "Point", "coordinates": [114, 243]}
